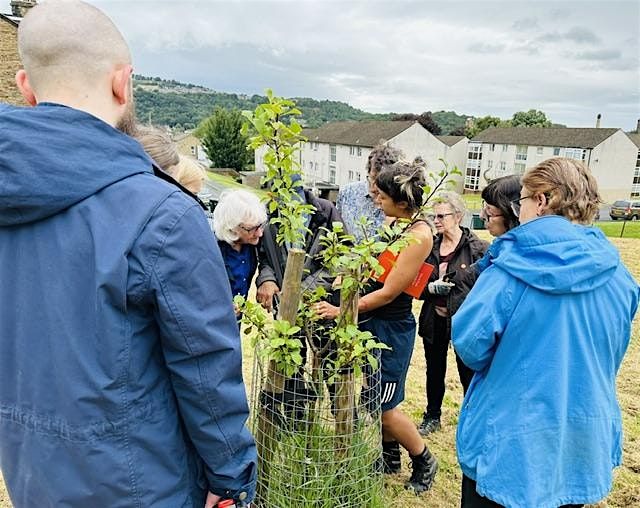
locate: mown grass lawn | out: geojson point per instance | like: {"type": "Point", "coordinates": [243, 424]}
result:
{"type": "Point", "coordinates": [614, 229]}
{"type": "Point", "coordinates": [446, 490]}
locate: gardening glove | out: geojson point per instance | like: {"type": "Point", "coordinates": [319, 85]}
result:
{"type": "Point", "coordinates": [440, 287]}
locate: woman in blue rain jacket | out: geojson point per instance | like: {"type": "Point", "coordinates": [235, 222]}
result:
{"type": "Point", "coordinates": [545, 329]}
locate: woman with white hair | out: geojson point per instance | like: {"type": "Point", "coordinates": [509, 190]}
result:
{"type": "Point", "coordinates": [238, 222]}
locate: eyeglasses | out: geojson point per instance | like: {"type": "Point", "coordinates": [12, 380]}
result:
{"type": "Point", "coordinates": [485, 213]}
{"type": "Point", "coordinates": [253, 229]}
{"type": "Point", "coordinates": [516, 205]}
{"type": "Point", "coordinates": [441, 216]}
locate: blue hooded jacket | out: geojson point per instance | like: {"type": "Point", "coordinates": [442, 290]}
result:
{"type": "Point", "coordinates": [545, 328]}
{"type": "Point", "coordinates": [120, 362]}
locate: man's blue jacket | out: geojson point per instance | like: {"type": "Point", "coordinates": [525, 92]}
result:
{"type": "Point", "coordinates": [120, 362]}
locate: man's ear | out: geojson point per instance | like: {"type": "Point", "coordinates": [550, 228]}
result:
{"type": "Point", "coordinates": [22, 81]}
{"type": "Point", "coordinates": [121, 83]}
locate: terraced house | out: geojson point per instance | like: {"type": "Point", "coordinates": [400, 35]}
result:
{"type": "Point", "coordinates": [9, 59]}
{"type": "Point", "coordinates": [336, 153]}
{"type": "Point", "coordinates": [611, 154]}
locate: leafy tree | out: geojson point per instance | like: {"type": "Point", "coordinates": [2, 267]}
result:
{"type": "Point", "coordinates": [450, 122]}
{"type": "Point", "coordinates": [425, 119]}
{"type": "Point", "coordinates": [482, 123]}
{"type": "Point", "coordinates": [458, 131]}
{"type": "Point", "coordinates": [531, 118]}
{"type": "Point", "coordinates": [223, 141]}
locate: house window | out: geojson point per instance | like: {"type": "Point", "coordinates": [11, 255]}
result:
{"type": "Point", "coordinates": [635, 188]}
{"type": "Point", "coordinates": [332, 148]}
{"type": "Point", "coordinates": [472, 179]}
{"type": "Point", "coordinates": [518, 168]}
{"type": "Point", "coordinates": [358, 176]}
{"type": "Point", "coordinates": [489, 164]}
{"type": "Point", "coordinates": [492, 147]}
{"type": "Point", "coordinates": [505, 148]}
{"type": "Point", "coordinates": [556, 150]}
{"type": "Point", "coordinates": [539, 150]}
{"type": "Point", "coordinates": [310, 166]}
{"type": "Point", "coordinates": [475, 152]}
{"type": "Point", "coordinates": [352, 150]}
{"type": "Point", "coordinates": [350, 176]}
{"type": "Point", "coordinates": [359, 153]}
{"type": "Point", "coordinates": [474, 160]}
{"type": "Point", "coordinates": [578, 154]}
{"type": "Point", "coordinates": [332, 176]}
{"type": "Point", "coordinates": [521, 152]}
{"type": "Point", "coordinates": [315, 146]}
{"type": "Point", "coordinates": [503, 166]}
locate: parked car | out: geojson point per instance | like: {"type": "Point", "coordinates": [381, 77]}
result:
{"type": "Point", "coordinates": [625, 209]}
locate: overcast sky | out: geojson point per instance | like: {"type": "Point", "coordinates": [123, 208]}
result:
{"type": "Point", "coordinates": [571, 59]}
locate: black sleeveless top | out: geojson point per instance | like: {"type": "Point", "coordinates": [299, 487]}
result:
{"type": "Point", "coordinates": [398, 308]}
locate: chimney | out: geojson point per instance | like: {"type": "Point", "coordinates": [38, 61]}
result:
{"type": "Point", "coordinates": [638, 127]}
{"type": "Point", "coordinates": [598, 120]}
{"type": "Point", "coordinates": [20, 8]}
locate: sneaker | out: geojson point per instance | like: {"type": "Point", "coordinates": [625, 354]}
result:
{"type": "Point", "coordinates": [428, 425]}
{"type": "Point", "coordinates": [391, 463]}
{"type": "Point", "coordinates": [425, 467]}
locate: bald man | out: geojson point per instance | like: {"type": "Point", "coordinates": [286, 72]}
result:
{"type": "Point", "coordinates": [120, 368]}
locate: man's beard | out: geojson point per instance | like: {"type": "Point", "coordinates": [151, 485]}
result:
{"type": "Point", "coordinates": [127, 123]}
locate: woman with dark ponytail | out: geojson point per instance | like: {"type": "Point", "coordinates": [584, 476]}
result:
{"type": "Point", "coordinates": [386, 312]}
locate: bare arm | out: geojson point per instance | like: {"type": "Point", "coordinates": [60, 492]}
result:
{"type": "Point", "coordinates": [406, 269]}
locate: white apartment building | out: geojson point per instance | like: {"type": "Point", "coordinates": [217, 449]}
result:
{"type": "Point", "coordinates": [635, 186]}
{"type": "Point", "coordinates": [336, 153]}
{"type": "Point", "coordinates": [611, 155]}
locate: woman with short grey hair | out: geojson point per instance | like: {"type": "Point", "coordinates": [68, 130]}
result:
{"type": "Point", "coordinates": [455, 248]}
{"type": "Point", "coordinates": [238, 222]}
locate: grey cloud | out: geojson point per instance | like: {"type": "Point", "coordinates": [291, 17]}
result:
{"type": "Point", "coordinates": [486, 48]}
{"type": "Point", "coordinates": [600, 54]}
{"type": "Point", "coordinates": [525, 24]}
{"type": "Point", "coordinates": [577, 34]}
{"type": "Point", "coordinates": [582, 35]}
{"type": "Point", "coordinates": [530, 48]}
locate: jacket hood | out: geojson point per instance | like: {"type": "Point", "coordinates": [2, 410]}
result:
{"type": "Point", "coordinates": [555, 256]}
{"type": "Point", "coordinates": [53, 156]}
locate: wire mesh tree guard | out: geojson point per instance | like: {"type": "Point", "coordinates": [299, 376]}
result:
{"type": "Point", "coordinates": [319, 437]}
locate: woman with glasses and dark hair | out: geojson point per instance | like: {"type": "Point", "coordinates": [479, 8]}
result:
{"type": "Point", "coordinates": [455, 248]}
{"type": "Point", "coordinates": [545, 329]}
{"type": "Point", "coordinates": [497, 211]}
{"type": "Point", "coordinates": [238, 222]}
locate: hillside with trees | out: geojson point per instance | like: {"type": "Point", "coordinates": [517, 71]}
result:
{"type": "Point", "coordinates": [185, 105]}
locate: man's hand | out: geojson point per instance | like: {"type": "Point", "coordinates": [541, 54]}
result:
{"type": "Point", "coordinates": [325, 310]}
{"type": "Point", "coordinates": [211, 501]}
{"type": "Point", "coordinates": [265, 294]}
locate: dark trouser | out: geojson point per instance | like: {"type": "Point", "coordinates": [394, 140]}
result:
{"type": "Point", "coordinates": [436, 355]}
{"type": "Point", "coordinates": [471, 499]}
